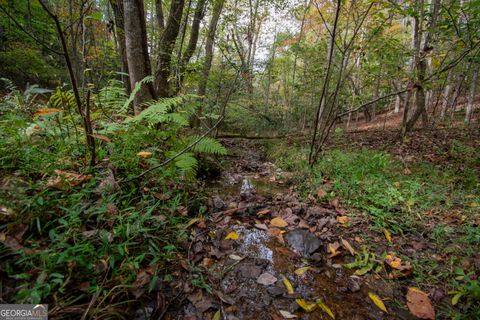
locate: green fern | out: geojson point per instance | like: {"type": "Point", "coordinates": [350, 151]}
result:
{"type": "Point", "coordinates": [135, 91]}
{"type": "Point", "coordinates": [159, 111]}
{"type": "Point", "coordinates": [208, 145]}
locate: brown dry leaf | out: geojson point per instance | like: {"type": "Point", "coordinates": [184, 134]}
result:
{"type": "Point", "coordinates": [332, 249]}
{"type": "Point", "coordinates": [419, 304]}
{"type": "Point", "coordinates": [335, 203]}
{"type": "Point", "coordinates": [200, 301]}
{"type": "Point", "coordinates": [348, 246]}
{"type": "Point", "coordinates": [321, 193]}
{"type": "Point", "coordinates": [377, 301]}
{"type": "Point", "coordinates": [278, 222]}
{"type": "Point", "coordinates": [407, 172]}
{"type": "Point", "coordinates": [263, 212]}
{"type": "Point", "coordinates": [183, 211]}
{"type": "Point", "coordinates": [144, 154]}
{"type": "Point", "coordinates": [101, 137]}
{"type": "Point", "coordinates": [46, 111]}
{"type": "Point", "coordinates": [358, 239]}
{"type": "Point", "coordinates": [2, 236]}
{"type": "Point", "coordinates": [65, 179]}
{"type": "Point", "coordinates": [143, 278]}
{"type": "Point", "coordinates": [342, 220]}
{"type": "Point", "coordinates": [232, 236]}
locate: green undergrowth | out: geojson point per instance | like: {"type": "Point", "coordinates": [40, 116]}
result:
{"type": "Point", "coordinates": [439, 201]}
{"type": "Point", "coordinates": [72, 234]}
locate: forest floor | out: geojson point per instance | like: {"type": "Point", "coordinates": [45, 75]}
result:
{"type": "Point", "coordinates": [282, 245]}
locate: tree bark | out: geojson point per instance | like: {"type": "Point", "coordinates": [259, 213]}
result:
{"type": "Point", "coordinates": [167, 43]}
{"type": "Point", "coordinates": [136, 50]}
{"type": "Point", "coordinates": [471, 97]}
{"type": "Point", "coordinates": [118, 16]}
{"type": "Point", "coordinates": [202, 84]}
{"type": "Point", "coordinates": [192, 42]}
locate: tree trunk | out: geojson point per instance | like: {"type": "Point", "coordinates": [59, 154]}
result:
{"type": "Point", "coordinates": [471, 97]}
{"type": "Point", "coordinates": [167, 43]}
{"type": "Point", "coordinates": [192, 42]}
{"type": "Point", "coordinates": [202, 84]}
{"type": "Point", "coordinates": [136, 50]}
{"type": "Point", "coordinates": [446, 95]}
{"type": "Point", "coordinates": [117, 7]}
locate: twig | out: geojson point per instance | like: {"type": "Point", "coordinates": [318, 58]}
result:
{"type": "Point", "coordinates": [178, 154]}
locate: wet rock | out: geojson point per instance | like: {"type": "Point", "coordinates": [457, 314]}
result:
{"type": "Point", "coordinates": [247, 190]}
{"type": "Point", "coordinates": [250, 270]}
{"type": "Point", "coordinates": [353, 284]}
{"type": "Point", "coordinates": [218, 203]}
{"type": "Point", "coordinates": [303, 241]}
{"type": "Point", "coordinates": [277, 290]}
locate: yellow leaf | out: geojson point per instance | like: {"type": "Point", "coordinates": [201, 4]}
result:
{"type": "Point", "coordinates": [2, 236]}
{"type": "Point", "coordinates": [287, 315]}
{"type": "Point", "coordinates": [232, 236]}
{"type": "Point", "coordinates": [387, 234]}
{"type": "Point", "coordinates": [144, 154]}
{"type": "Point", "coordinates": [332, 249]}
{"type": "Point", "coordinates": [193, 221]}
{"type": "Point", "coordinates": [278, 222]}
{"type": "Point", "coordinates": [301, 271]}
{"type": "Point", "coordinates": [288, 285]}
{"type": "Point", "coordinates": [45, 111]}
{"type": "Point", "coordinates": [325, 308]}
{"type": "Point", "coordinates": [348, 246]}
{"type": "Point", "coordinates": [473, 204]}
{"type": "Point", "coordinates": [342, 219]}
{"type": "Point", "coordinates": [217, 315]}
{"type": "Point", "coordinates": [309, 307]}
{"type": "Point", "coordinates": [378, 302]}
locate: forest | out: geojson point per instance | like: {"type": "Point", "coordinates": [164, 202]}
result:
{"type": "Point", "coordinates": [240, 159]}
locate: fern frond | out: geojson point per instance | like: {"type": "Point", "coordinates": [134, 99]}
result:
{"type": "Point", "coordinates": [208, 145]}
{"type": "Point", "coordinates": [135, 91]}
{"type": "Point", "coordinates": [159, 111]}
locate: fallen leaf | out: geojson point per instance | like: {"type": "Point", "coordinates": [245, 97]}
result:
{"type": "Point", "coordinates": [407, 172]}
{"type": "Point", "coordinates": [144, 154]}
{"type": "Point", "coordinates": [193, 221]}
{"type": "Point", "coordinates": [473, 204]}
{"type": "Point", "coordinates": [263, 212]}
{"type": "Point", "coordinates": [2, 236]}
{"type": "Point", "coordinates": [396, 263]}
{"type": "Point", "coordinates": [288, 285]}
{"type": "Point", "coordinates": [235, 257]}
{"type": "Point", "coordinates": [45, 111]}
{"type": "Point", "coordinates": [183, 211]}
{"type": "Point", "coordinates": [278, 222]}
{"type": "Point", "coordinates": [364, 270]}
{"type": "Point", "coordinates": [348, 246]}
{"type": "Point", "coordinates": [200, 301]}
{"type": "Point", "coordinates": [388, 235]}
{"type": "Point", "coordinates": [64, 180]}
{"type": "Point", "coordinates": [342, 219]}
{"type": "Point", "coordinates": [261, 226]}
{"type": "Point", "coordinates": [287, 315]}
{"type": "Point", "coordinates": [332, 249]}
{"type": "Point", "coordinates": [217, 315]}
{"type": "Point", "coordinates": [101, 137]}
{"type": "Point", "coordinates": [419, 304]}
{"type": "Point", "coordinates": [309, 307]}
{"type": "Point", "coordinates": [232, 236]}
{"type": "Point", "coordinates": [324, 307]}
{"type": "Point", "coordinates": [321, 193]}
{"type": "Point", "coordinates": [377, 301]}
{"type": "Point", "coordinates": [335, 203]}
{"type": "Point", "coordinates": [266, 279]}
{"type": "Point", "coordinates": [301, 271]}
